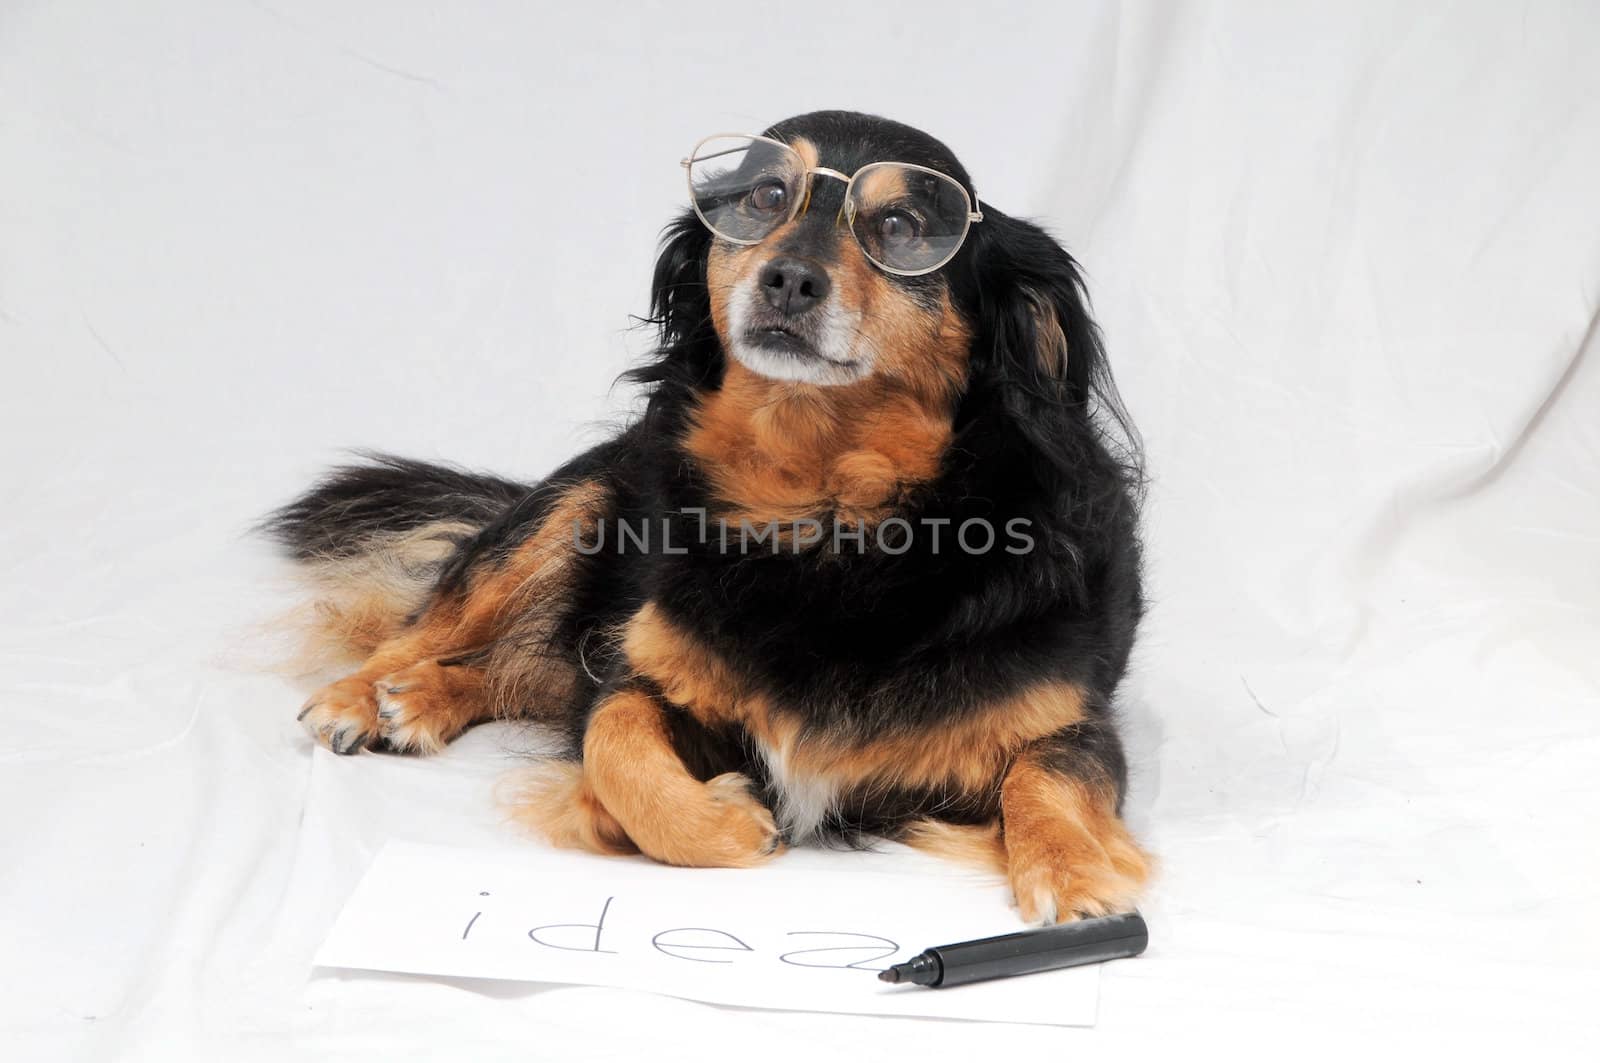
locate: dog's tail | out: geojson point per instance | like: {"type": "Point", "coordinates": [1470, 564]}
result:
{"type": "Point", "coordinates": [372, 538]}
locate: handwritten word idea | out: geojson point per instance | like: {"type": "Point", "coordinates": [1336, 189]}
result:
{"type": "Point", "coordinates": [806, 932]}
{"type": "Point", "coordinates": [845, 949]}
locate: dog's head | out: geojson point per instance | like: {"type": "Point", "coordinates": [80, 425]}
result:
{"type": "Point", "coordinates": [806, 262]}
{"type": "Point", "coordinates": [804, 302]}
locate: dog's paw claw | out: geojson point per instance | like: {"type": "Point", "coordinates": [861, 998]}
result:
{"type": "Point", "coordinates": [350, 741]}
{"type": "Point", "coordinates": [342, 717]}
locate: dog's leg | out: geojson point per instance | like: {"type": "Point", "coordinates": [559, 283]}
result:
{"type": "Point", "coordinates": [427, 684]}
{"type": "Point", "coordinates": [1067, 850]}
{"type": "Point", "coordinates": [632, 769]}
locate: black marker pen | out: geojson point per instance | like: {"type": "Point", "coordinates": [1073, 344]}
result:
{"type": "Point", "coordinates": [1025, 952]}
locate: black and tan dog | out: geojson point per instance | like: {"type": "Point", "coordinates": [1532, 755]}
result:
{"type": "Point", "coordinates": [899, 391]}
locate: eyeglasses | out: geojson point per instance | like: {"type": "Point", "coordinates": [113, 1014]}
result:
{"type": "Point", "coordinates": [907, 219]}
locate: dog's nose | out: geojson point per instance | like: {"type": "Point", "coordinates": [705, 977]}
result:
{"type": "Point", "coordinates": [794, 285]}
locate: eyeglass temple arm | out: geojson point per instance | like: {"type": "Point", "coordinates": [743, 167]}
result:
{"type": "Point", "coordinates": [687, 162]}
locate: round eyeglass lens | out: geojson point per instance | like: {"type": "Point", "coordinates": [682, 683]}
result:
{"type": "Point", "coordinates": [744, 187]}
{"type": "Point", "coordinates": [908, 220]}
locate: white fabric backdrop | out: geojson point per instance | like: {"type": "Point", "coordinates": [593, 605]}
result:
{"type": "Point", "coordinates": [1347, 258]}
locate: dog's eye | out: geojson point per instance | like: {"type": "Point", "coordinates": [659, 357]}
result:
{"type": "Point", "coordinates": [769, 197]}
{"type": "Point", "coordinates": [898, 227]}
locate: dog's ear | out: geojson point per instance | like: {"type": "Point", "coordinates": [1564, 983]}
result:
{"type": "Point", "coordinates": [1034, 319]}
{"type": "Point", "coordinates": [680, 302]}
{"type": "Point", "coordinates": [1036, 348]}
{"type": "Point", "coordinates": [687, 353]}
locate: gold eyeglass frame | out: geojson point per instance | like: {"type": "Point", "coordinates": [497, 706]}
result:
{"type": "Point", "coordinates": [974, 208]}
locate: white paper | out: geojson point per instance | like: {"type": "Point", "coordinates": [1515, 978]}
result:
{"type": "Point", "coordinates": [792, 937]}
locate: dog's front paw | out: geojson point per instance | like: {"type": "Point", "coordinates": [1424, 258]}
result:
{"type": "Point", "coordinates": [741, 830]}
{"type": "Point", "coordinates": [720, 823]}
{"type": "Point", "coordinates": [1055, 889]}
{"type": "Point", "coordinates": [343, 716]}
{"type": "Point", "coordinates": [1069, 855]}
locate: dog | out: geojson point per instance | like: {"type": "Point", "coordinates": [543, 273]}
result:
{"type": "Point", "coordinates": [866, 565]}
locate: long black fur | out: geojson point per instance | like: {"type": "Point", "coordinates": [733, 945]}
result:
{"type": "Point", "coordinates": [383, 495]}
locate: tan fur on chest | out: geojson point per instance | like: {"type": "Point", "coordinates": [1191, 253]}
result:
{"type": "Point", "coordinates": [776, 450]}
